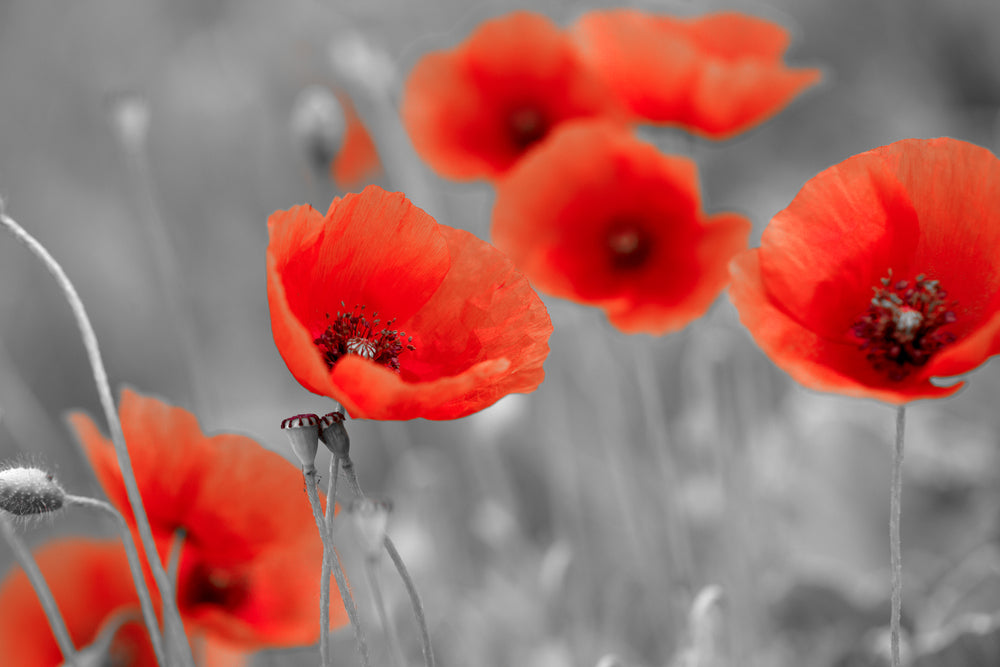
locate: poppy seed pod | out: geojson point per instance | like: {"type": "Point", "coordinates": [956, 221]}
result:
{"type": "Point", "coordinates": [25, 491]}
{"type": "Point", "coordinates": [334, 434]}
{"type": "Point", "coordinates": [371, 518]}
{"type": "Point", "coordinates": [303, 436]}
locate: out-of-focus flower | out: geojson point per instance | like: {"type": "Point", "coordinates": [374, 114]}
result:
{"type": "Point", "coordinates": [357, 163]}
{"type": "Point", "coordinates": [90, 581]}
{"type": "Point", "coordinates": [473, 111]}
{"type": "Point", "coordinates": [883, 272]}
{"type": "Point", "coordinates": [599, 217]}
{"type": "Point", "coordinates": [250, 562]}
{"type": "Point", "coordinates": [395, 316]}
{"type": "Point", "coordinates": [715, 75]}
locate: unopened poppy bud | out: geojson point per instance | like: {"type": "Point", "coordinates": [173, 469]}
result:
{"type": "Point", "coordinates": [371, 518]}
{"type": "Point", "coordinates": [303, 435]}
{"type": "Point", "coordinates": [25, 491]}
{"type": "Point", "coordinates": [318, 125]}
{"type": "Point", "coordinates": [333, 433]}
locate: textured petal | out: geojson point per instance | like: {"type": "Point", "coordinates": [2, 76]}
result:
{"type": "Point", "coordinates": [90, 580]}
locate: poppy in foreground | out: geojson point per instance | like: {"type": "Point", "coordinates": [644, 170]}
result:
{"type": "Point", "coordinates": [883, 273]}
{"type": "Point", "coordinates": [250, 560]}
{"type": "Point", "coordinates": [93, 588]}
{"type": "Point", "coordinates": [602, 218]}
{"type": "Point", "coordinates": [473, 111]}
{"type": "Point", "coordinates": [715, 75]}
{"type": "Point", "coordinates": [379, 307]}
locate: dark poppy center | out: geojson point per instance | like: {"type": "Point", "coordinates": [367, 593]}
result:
{"type": "Point", "coordinates": [629, 245]}
{"type": "Point", "coordinates": [354, 332]}
{"type": "Point", "coordinates": [902, 328]}
{"type": "Point", "coordinates": [215, 587]}
{"type": "Point", "coordinates": [527, 126]}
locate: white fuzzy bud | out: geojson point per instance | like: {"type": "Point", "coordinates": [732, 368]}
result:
{"type": "Point", "coordinates": [25, 491]}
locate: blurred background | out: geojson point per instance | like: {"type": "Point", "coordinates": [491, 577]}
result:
{"type": "Point", "coordinates": [555, 528]}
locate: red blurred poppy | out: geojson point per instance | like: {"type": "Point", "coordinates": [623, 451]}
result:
{"type": "Point", "coordinates": [90, 581]}
{"type": "Point", "coordinates": [395, 316]}
{"type": "Point", "coordinates": [715, 75]}
{"type": "Point", "coordinates": [599, 217]}
{"type": "Point", "coordinates": [473, 111]}
{"type": "Point", "coordinates": [250, 563]}
{"type": "Point", "coordinates": [883, 272]}
{"type": "Point", "coordinates": [357, 161]}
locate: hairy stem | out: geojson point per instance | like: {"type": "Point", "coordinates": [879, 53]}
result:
{"type": "Point", "coordinates": [324, 584]}
{"type": "Point", "coordinates": [894, 541]}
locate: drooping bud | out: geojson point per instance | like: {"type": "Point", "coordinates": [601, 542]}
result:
{"type": "Point", "coordinates": [25, 491]}
{"type": "Point", "coordinates": [333, 433]}
{"type": "Point", "coordinates": [371, 518]}
{"type": "Point", "coordinates": [303, 436]}
{"type": "Point", "coordinates": [318, 125]}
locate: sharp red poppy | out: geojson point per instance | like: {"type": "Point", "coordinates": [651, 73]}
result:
{"type": "Point", "coordinates": [475, 110]}
{"type": "Point", "coordinates": [715, 75]}
{"type": "Point", "coordinates": [91, 583]}
{"type": "Point", "coordinates": [883, 272]}
{"type": "Point", "coordinates": [395, 316]}
{"type": "Point", "coordinates": [249, 569]}
{"type": "Point", "coordinates": [599, 217]}
{"type": "Point", "coordinates": [357, 161]}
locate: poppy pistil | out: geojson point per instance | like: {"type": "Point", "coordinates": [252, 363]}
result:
{"type": "Point", "coordinates": [353, 332]}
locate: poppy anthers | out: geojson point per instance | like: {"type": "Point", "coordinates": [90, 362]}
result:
{"type": "Point", "coordinates": [882, 273]}
{"type": "Point", "coordinates": [715, 75]}
{"type": "Point", "coordinates": [250, 561]}
{"type": "Point", "coordinates": [599, 217]}
{"type": "Point", "coordinates": [395, 316]}
{"type": "Point", "coordinates": [474, 110]}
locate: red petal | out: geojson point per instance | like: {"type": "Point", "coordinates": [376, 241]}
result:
{"type": "Point", "coordinates": [735, 36]}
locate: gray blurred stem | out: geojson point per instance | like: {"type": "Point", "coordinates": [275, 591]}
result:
{"type": "Point", "coordinates": [172, 619]}
{"type": "Point", "coordinates": [894, 541]}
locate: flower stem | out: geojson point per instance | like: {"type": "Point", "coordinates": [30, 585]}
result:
{"type": "Point", "coordinates": [324, 583]}
{"type": "Point", "coordinates": [135, 565]}
{"type": "Point", "coordinates": [172, 619]}
{"type": "Point", "coordinates": [332, 559]}
{"type": "Point", "coordinates": [42, 590]}
{"type": "Point", "coordinates": [397, 560]}
{"type": "Point", "coordinates": [392, 637]}
{"type": "Point", "coordinates": [894, 541]}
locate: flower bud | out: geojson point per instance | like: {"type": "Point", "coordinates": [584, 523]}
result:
{"type": "Point", "coordinates": [318, 125]}
{"type": "Point", "coordinates": [333, 433]}
{"type": "Point", "coordinates": [303, 436]}
{"type": "Point", "coordinates": [25, 491]}
{"type": "Point", "coordinates": [371, 518]}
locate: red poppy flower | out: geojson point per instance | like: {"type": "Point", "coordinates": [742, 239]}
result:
{"type": "Point", "coordinates": [599, 217]}
{"type": "Point", "coordinates": [90, 581]}
{"type": "Point", "coordinates": [395, 316]}
{"type": "Point", "coordinates": [716, 75]}
{"type": "Point", "coordinates": [474, 110]}
{"type": "Point", "coordinates": [357, 162]}
{"type": "Point", "coordinates": [883, 272]}
{"type": "Point", "coordinates": [250, 563]}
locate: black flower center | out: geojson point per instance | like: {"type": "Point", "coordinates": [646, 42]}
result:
{"type": "Point", "coordinates": [352, 332]}
{"type": "Point", "coordinates": [214, 586]}
{"type": "Point", "coordinates": [527, 126]}
{"type": "Point", "coordinates": [629, 245]}
{"type": "Point", "coordinates": [902, 328]}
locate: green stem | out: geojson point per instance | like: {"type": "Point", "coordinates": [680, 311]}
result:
{"type": "Point", "coordinates": [397, 560]}
{"type": "Point", "coordinates": [135, 565]}
{"type": "Point", "coordinates": [42, 590]}
{"type": "Point", "coordinates": [894, 540]}
{"type": "Point", "coordinates": [172, 619]}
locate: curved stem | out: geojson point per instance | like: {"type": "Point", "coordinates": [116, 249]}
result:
{"type": "Point", "coordinates": [404, 574]}
{"type": "Point", "coordinates": [171, 615]}
{"type": "Point", "coordinates": [894, 541]}
{"type": "Point", "coordinates": [332, 558]}
{"type": "Point", "coordinates": [134, 564]}
{"type": "Point", "coordinates": [42, 590]}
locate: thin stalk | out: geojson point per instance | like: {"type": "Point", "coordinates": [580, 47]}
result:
{"type": "Point", "coordinates": [331, 557]}
{"type": "Point", "coordinates": [392, 637]}
{"type": "Point", "coordinates": [135, 566]}
{"type": "Point", "coordinates": [397, 560]}
{"type": "Point", "coordinates": [894, 541]}
{"type": "Point", "coordinates": [42, 590]}
{"type": "Point", "coordinates": [172, 619]}
{"type": "Point", "coordinates": [324, 583]}
{"type": "Point", "coordinates": [174, 558]}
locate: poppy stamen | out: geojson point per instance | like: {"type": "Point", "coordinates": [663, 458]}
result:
{"type": "Point", "coordinates": [901, 329]}
{"type": "Point", "coordinates": [353, 332]}
{"type": "Point", "coordinates": [527, 126]}
{"type": "Point", "coordinates": [629, 245]}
